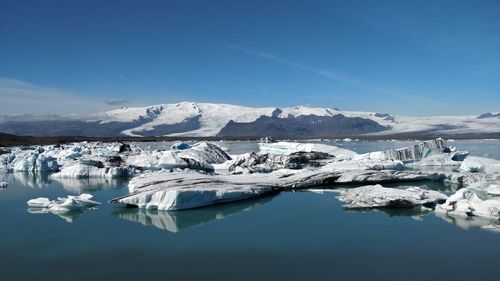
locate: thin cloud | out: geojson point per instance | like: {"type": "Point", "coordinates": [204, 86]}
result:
{"type": "Point", "coordinates": [116, 102]}
{"type": "Point", "coordinates": [20, 97]}
{"type": "Point", "coordinates": [277, 59]}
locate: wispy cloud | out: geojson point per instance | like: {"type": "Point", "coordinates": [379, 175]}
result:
{"type": "Point", "coordinates": [20, 97]}
{"type": "Point", "coordinates": [330, 74]}
{"type": "Point", "coordinates": [116, 102]}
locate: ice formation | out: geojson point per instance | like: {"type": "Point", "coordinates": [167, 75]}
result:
{"type": "Point", "coordinates": [373, 196]}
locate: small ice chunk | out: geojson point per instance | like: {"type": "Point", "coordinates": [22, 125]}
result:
{"type": "Point", "coordinates": [179, 146]}
{"type": "Point", "coordinates": [64, 204]}
{"type": "Point", "coordinates": [40, 202]}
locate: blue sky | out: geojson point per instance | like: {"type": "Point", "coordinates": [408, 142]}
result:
{"type": "Point", "coordinates": [401, 57]}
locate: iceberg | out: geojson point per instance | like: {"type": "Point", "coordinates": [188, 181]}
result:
{"type": "Point", "coordinates": [187, 190]}
{"type": "Point", "coordinates": [68, 208]}
{"type": "Point", "coordinates": [3, 184]}
{"type": "Point", "coordinates": [286, 148]}
{"type": "Point", "coordinates": [83, 170]}
{"type": "Point", "coordinates": [376, 196]}
{"type": "Point", "coordinates": [410, 153]}
{"type": "Point", "coordinates": [64, 204]}
{"type": "Point", "coordinates": [475, 164]}
{"type": "Point", "coordinates": [253, 162]}
{"type": "Point", "coordinates": [480, 199]}
{"type": "Point", "coordinates": [179, 190]}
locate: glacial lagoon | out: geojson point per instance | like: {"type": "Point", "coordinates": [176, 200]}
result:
{"type": "Point", "coordinates": [299, 235]}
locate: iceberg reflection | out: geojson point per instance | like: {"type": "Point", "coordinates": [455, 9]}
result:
{"type": "Point", "coordinates": [467, 223]}
{"type": "Point", "coordinates": [67, 216]}
{"type": "Point", "coordinates": [72, 185]}
{"type": "Point", "coordinates": [177, 221]}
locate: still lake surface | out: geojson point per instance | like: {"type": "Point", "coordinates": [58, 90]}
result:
{"type": "Point", "coordinates": [291, 236]}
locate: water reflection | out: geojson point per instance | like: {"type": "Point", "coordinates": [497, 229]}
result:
{"type": "Point", "coordinates": [27, 179]}
{"type": "Point", "coordinates": [67, 216]}
{"type": "Point", "coordinates": [415, 213]}
{"type": "Point", "coordinates": [72, 185]}
{"type": "Point", "coordinates": [177, 221]}
{"type": "Point", "coordinates": [79, 186]}
{"type": "Point", "coordinates": [467, 223]}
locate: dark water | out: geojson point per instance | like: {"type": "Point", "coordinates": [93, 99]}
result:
{"type": "Point", "coordinates": [290, 236]}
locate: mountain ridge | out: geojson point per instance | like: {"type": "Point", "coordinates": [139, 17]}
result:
{"type": "Point", "coordinates": [195, 119]}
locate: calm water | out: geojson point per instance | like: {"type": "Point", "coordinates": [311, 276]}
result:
{"type": "Point", "coordinates": [291, 236]}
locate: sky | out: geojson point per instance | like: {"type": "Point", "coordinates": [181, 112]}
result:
{"type": "Point", "coordinates": [402, 57]}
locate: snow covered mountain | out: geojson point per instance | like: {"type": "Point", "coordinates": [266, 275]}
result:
{"type": "Point", "coordinates": [225, 120]}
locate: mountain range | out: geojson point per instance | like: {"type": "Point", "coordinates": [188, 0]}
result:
{"type": "Point", "coordinates": [192, 119]}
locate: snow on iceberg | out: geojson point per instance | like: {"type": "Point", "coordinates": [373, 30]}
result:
{"type": "Point", "coordinates": [374, 196]}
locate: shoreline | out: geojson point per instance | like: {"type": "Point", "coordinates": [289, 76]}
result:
{"type": "Point", "coordinates": [7, 140]}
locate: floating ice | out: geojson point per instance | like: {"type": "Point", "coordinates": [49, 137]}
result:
{"type": "Point", "coordinates": [286, 148]}
{"type": "Point", "coordinates": [479, 164]}
{"type": "Point", "coordinates": [64, 204]}
{"type": "Point", "coordinates": [408, 154]}
{"type": "Point", "coordinates": [3, 184]}
{"type": "Point", "coordinates": [65, 207]}
{"type": "Point", "coordinates": [373, 196]}
{"type": "Point", "coordinates": [80, 170]}
{"type": "Point", "coordinates": [480, 199]}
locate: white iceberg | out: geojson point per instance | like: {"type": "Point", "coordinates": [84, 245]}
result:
{"type": "Point", "coordinates": [474, 164]}
{"type": "Point", "coordinates": [64, 204]}
{"type": "Point", "coordinates": [79, 170]}
{"type": "Point", "coordinates": [480, 199]}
